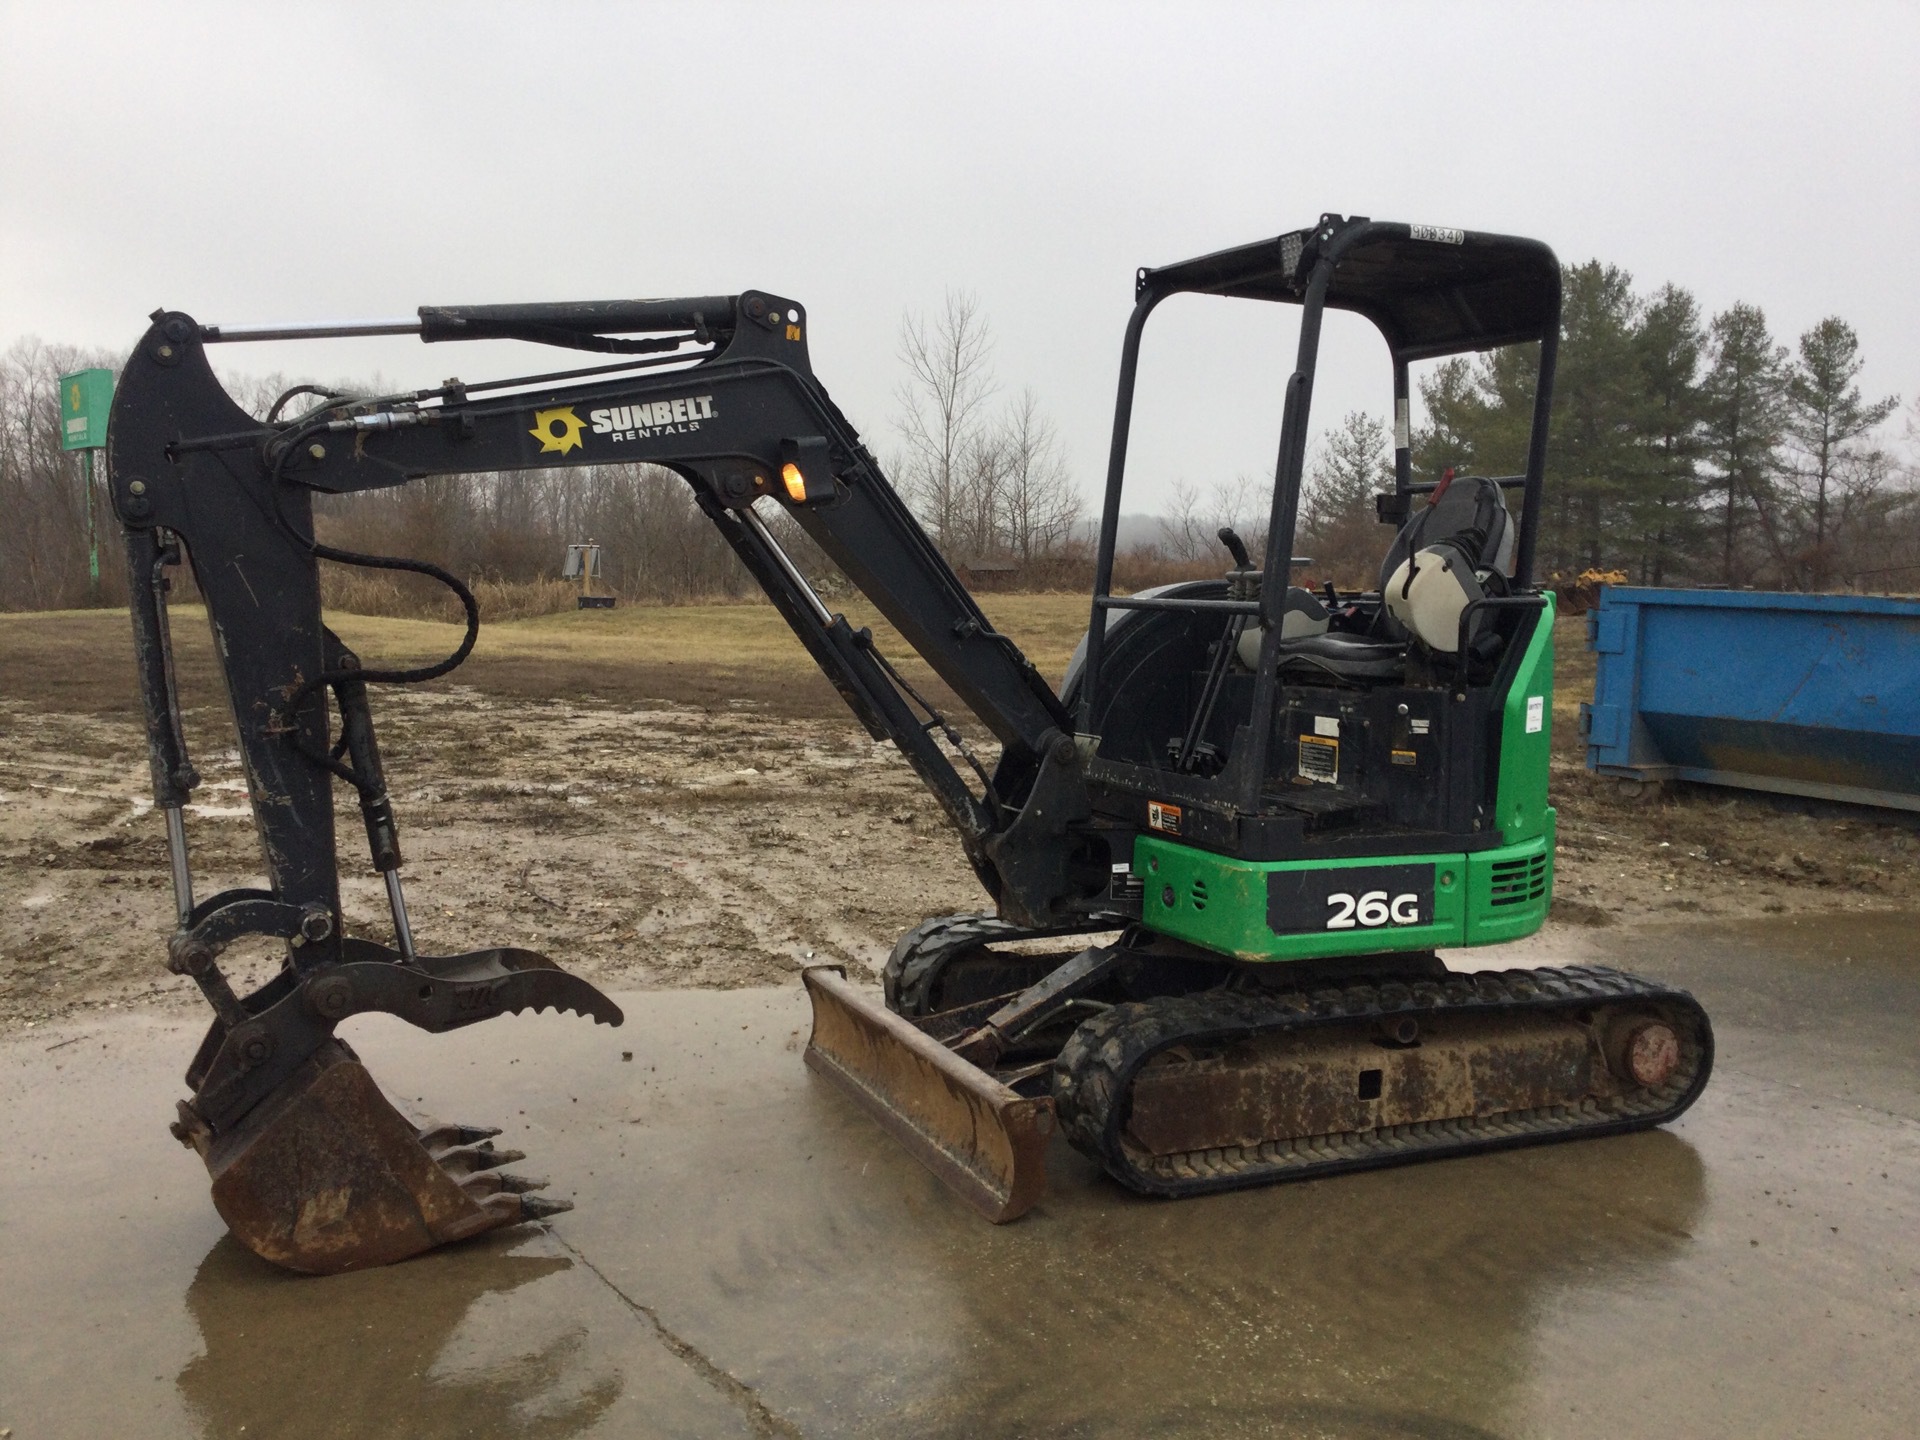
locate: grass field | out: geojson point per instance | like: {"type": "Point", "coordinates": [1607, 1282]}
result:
{"type": "Point", "coordinates": [80, 660]}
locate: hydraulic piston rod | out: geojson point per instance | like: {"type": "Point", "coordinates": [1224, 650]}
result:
{"type": "Point", "coordinates": [311, 330]}
{"type": "Point", "coordinates": [397, 902]}
{"type": "Point", "coordinates": [177, 859]}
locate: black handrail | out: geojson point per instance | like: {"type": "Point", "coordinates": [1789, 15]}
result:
{"type": "Point", "coordinates": [1128, 602]}
{"type": "Point", "coordinates": [1483, 604]}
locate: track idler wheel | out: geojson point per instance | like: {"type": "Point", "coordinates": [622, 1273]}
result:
{"type": "Point", "coordinates": [327, 1176]}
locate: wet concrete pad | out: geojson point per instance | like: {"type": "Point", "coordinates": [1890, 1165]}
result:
{"type": "Point", "coordinates": [751, 1255]}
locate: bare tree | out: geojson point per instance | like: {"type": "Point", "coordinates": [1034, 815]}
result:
{"type": "Point", "coordinates": [979, 497]}
{"type": "Point", "coordinates": [1183, 529]}
{"type": "Point", "coordinates": [1039, 505]}
{"type": "Point", "coordinates": [1190, 530]}
{"type": "Point", "coordinates": [943, 420]}
{"type": "Point", "coordinates": [987, 487]}
{"type": "Point", "coordinates": [1243, 504]}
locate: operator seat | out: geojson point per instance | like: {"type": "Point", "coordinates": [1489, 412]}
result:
{"type": "Point", "coordinates": [1443, 559]}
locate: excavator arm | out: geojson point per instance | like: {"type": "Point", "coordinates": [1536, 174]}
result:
{"type": "Point", "coordinates": [717, 389]}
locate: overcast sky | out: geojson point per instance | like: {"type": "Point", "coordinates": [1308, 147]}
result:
{"type": "Point", "coordinates": [307, 161]}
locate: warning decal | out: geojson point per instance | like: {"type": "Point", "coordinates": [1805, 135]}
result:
{"type": "Point", "coordinates": [1320, 759]}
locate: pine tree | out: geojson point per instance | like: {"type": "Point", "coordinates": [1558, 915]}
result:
{"type": "Point", "coordinates": [1339, 526]}
{"type": "Point", "coordinates": [1668, 346]}
{"type": "Point", "coordinates": [1825, 414]}
{"type": "Point", "coordinates": [1594, 455]}
{"type": "Point", "coordinates": [1350, 466]}
{"type": "Point", "coordinates": [1458, 418]}
{"type": "Point", "coordinates": [1742, 403]}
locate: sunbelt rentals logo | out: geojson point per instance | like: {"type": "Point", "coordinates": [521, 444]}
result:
{"type": "Point", "coordinates": [652, 418]}
{"type": "Point", "coordinates": [558, 431]}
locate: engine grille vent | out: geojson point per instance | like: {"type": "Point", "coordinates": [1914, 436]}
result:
{"type": "Point", "coordinates": [1515, 882]}
{"type": "Point", "coordinates": [1199, 894]}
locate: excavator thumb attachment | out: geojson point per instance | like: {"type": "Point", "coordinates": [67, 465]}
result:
{"type": "Point", "coordinates": [986, 1142]}
{"type": "Point", "coordinates": [327, 1176]}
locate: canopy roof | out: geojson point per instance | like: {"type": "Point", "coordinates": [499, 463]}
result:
{"type": "Point", "coordinates": [1430, 291]}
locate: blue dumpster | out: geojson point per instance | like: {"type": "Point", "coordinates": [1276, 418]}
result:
{"type": "Point", "coordinates": [1814, 695]}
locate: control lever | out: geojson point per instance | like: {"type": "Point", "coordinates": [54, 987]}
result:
{"type": "Point", "coordinates": [1191, 751]}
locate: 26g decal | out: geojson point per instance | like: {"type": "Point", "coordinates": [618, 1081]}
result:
{"type": "Point", "coordinates": [1317, 899]}
{"type": "Point", "coordinates": [1372, 909]}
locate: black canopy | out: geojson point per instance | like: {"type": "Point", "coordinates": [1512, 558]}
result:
{"type": "Point", "coordinates": [1431, 291]}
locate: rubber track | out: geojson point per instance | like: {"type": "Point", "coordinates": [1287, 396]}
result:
{"type": "Point", "coordinates": [918, 955]}
{"type": "Point", "coordinates": [1094, 1071]}
{"type": "Point", "coordinates": [924, 951]}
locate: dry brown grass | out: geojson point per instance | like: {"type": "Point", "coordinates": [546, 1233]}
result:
{"type": "Point", "coordinates": [707, 654]}
{"type": "Point", "coordinates": [402, 596]}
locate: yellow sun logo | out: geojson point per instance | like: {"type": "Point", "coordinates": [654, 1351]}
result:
{"type": "Point", "coordinates": [557, 430]}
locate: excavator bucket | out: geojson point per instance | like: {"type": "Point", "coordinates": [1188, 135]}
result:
{"type": "Point", "coordinates": [986, 1142]}
{"type": "Point", "coordinates": [328, 1176]}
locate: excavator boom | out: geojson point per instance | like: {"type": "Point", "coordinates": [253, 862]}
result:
{"type": "Point", "coordinates": [313, 1168]}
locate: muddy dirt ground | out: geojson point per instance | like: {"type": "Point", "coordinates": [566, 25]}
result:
{"type": "Point", "coordinates": [675, 825]}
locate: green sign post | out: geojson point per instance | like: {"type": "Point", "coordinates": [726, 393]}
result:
{"type": "Point", "coordinates": [85, 398]}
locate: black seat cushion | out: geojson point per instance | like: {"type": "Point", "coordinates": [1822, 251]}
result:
{"type": "Point", "coordinates": [1347, 657]}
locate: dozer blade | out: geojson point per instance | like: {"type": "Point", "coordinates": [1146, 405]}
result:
{"type": "Point", "coordinates": [327, 1176]}
{"type": "Point", "coordinates": [988, 1144]}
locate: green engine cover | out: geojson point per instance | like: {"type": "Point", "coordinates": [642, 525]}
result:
{"type": "Point", "coordinates": [1310, 909]}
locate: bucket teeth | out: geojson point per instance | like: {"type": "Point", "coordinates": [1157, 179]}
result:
{"type": "Point", "coordinates": [330, 1177]}
{"type": "Point", "coordinates": [441, 1135]}
{"type": "Point", "coordinates": [508, 981]}
{"type": "Point", "coordinates": [470, 1159]}
{"type": "Point", "coordinates": [499, 1182]}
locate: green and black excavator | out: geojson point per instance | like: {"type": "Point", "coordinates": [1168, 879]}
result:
{"type": "Point", "coordinates": [1222, 856]}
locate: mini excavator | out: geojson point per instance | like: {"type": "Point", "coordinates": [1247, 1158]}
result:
{"type": "Point", "coordinates": [1222, 856]}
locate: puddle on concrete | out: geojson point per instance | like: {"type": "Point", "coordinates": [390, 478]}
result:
{"type": "Point", "coordinates": [751, 1255]}
{"type": "Point", "coordinates": [419, 1344]}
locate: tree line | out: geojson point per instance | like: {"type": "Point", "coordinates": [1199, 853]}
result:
{"type": "Point", "coordinates": [1686, 449]}
{"type": "Point", "coordinates": [989, 480]}
{"type": "Point", "coordinates": [43, 502]}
